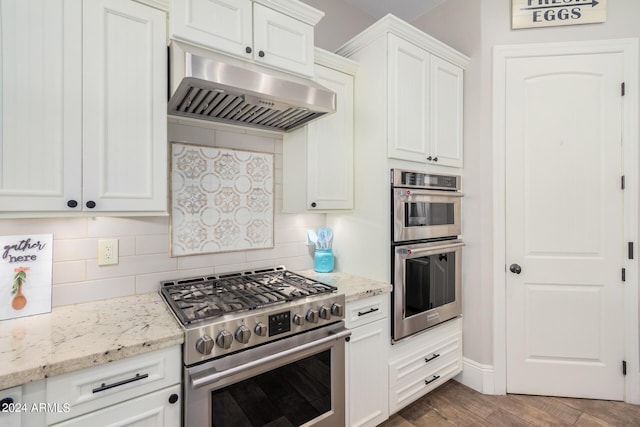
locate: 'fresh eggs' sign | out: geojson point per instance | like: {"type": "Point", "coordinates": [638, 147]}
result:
{"type": "Point", "coordinates": [25, 275]}
{"type": "Point", "coordinates": [550, 13]}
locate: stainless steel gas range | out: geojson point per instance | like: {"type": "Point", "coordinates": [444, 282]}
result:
{"type": "Point", "coordinates": [264, 346]}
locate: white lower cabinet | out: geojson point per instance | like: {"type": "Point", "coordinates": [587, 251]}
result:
{"type": "Point", "coordinates": [367, 359]}
{"type": "Point", "coordinates": [143, 390]}
{"type": "Point", "coordinates": [150, 410]}
{"type": "Point", "coordinates": [422, 362]}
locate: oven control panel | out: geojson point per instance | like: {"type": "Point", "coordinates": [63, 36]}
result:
{"type": "Point", "coordinates": [279, 323]}
{"type": "Point", "coordinates": [240, 331]}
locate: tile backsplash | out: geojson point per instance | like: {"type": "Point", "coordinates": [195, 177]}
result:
{"type": "Point", "coordinates": [144, 242]}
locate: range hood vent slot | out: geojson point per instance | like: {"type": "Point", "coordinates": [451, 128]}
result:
{"type": "Point", "coordinates": [216, 91]}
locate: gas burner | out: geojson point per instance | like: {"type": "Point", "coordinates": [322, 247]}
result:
{"type": "Point", "coordinates": [202, 298]}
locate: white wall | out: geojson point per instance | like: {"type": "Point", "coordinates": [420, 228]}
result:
{"type": "Point", "coordinates": [489, 22]}
{"type": "Point", "coordinates": [144, 242]}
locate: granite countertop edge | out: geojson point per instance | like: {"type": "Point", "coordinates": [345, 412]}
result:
{"type": "Point", "coordinates": [353, 287]}
{"type": "Point", "coordinates": [79, 336]}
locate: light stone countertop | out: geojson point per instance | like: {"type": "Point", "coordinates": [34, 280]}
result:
{"type": "Point", "coordinates": [83, 335]}
{"type": "Point", "coordinates": [354, 287]}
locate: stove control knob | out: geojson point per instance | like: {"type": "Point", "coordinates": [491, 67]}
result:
{"type": "Point", "coordinates": [243, 334]}
{"type": "Point", "coordinates": [325, 312]}
{"type": "Point", "coordinates": [312, 316]}
{"type": "Point", "coordinates": [298, 320]}
{"type": "Point", "coordinates": [204, 345]}
{"type": "Point", "coordinates": [260, 329]}
{"type": "Point", "coordinates": [337, 310]}
{"type": "Point", "coordinates": [224, 339]}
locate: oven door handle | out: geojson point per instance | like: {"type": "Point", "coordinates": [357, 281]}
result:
{"type": "Point", "coordinates": [436, 248]}
{"type": "Point", "coordinates": [206, 378]}
{"type": "Point", "coordinates": [402, 193]}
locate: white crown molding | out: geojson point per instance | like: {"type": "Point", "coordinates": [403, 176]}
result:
{"type": "Point", "coordinates": [394, 25]}
{"type": "Point", "coordinates": [335, 61]}
{"type": "Point", "coordinates": [294, 8]}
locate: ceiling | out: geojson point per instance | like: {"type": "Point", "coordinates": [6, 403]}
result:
{"type": "Point", "coordinates": [407, 10]}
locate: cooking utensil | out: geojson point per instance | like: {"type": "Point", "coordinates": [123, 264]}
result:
{"type": "Point", "coordinates": [322, 239]}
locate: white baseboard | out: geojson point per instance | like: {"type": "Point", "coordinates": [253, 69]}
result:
{"type": "Point", "coordinates": [476, 376]}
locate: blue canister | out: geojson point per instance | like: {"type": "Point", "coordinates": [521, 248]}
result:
{"type": "Point", "coordinates": [323, 260]}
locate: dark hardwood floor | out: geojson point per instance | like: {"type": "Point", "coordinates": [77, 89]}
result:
{"type": "Point", "coordinates": [453, 404]}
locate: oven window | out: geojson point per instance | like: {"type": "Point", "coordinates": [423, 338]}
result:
{"type": "Point", "coordinates": [430, 282]}
{"type": "Point", "coordinates": [287, 396]}
{"type": "Point", "coordinates": [425, 214]}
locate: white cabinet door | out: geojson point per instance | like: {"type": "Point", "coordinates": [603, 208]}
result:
{"type": "Point", "coordinates": [318, 159]}
{"type": "Point", "coordinates": [41, 109]}
{"type": "Point", "coordinates": [124, 101]}
{"type": "Point", "coordinates": [281, 41]}
{"type": "Point", "coordinates": [367, 379]}
{"type": "Point", "coordinates": [223, 24]}
{"type": "Point", "coordinates": [446, 113]}
{"type": "Point", "coordinates": [408, 96]}
{"type": "Point", "coordinates": [158, 409]}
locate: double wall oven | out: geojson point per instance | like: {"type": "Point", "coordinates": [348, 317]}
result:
{"type": "Point", "coordinates": [261, 348]}
{"type": "Point", "coordinates": [426, 251]}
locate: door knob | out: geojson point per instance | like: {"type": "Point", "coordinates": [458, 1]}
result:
{"type": "Point", "coordinates": [515, 268]}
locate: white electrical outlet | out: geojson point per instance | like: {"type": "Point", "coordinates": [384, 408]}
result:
{"type": "Point", "coordinates": [107, 251]}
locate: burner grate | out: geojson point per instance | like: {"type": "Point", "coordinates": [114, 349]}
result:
{"type": "Point", "coordinates": [209, 297]}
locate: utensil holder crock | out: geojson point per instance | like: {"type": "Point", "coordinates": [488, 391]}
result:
{"type": "Point", "coordinates": [323, 260]}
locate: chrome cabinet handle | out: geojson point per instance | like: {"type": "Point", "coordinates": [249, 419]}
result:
{"type": "Point", "coordinates": [105, 386]}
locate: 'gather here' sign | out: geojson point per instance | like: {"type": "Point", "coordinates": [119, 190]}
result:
{"type": "Point", "coordinates": [550, 13]}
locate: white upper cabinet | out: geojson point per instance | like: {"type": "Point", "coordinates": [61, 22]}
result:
{"type": "Point", "coordinates": [415, 83]}
{"type": "Point", "coordinates": [41, 109]}
{"type": "Point", "coordinates": [446, 112]}
{"type": "Point", "coordinates": [125, 106]}
{"type": "Point", "coordinates": [318, 158]}
{"type": "Point", "coordinates": [83, 113]}
{"type": "Point", "coordinates": [408, 123]}
{"type": "Point", "coordinates": [276, 33]}
{"type": "Point", "coordinates": [425, 106]}
{"type": "Point", "coordinates": [225, 25]}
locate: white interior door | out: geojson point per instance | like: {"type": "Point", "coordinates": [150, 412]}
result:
{"type": "Point", "coordinates": [564, 226]}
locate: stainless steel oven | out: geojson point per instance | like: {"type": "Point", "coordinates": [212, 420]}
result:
{"type": "Point", "coordinates": [427, 285]}
{"type": "Point", "coordinates": [297, 381]}
{"type": "Point", "coordinates": [426, 250]}
{"type": "Point", "coordinates": [263, 347]}
{"type": "Point", "coordinates": [425, 206]}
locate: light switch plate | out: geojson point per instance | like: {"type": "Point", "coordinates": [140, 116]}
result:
{"type": "Point", "coordinates": [107, 251]}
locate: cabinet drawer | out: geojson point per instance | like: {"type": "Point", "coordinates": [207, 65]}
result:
{"type": "Point", "coordinates": [94, 388]}
{"type": "Point", "coordinates": [367, 310]}
{"type": "Point", "coordinates": [402, 394]}
{"type": "Point", "coordinates": [161, 408]}
{"type": "Point", "coordinates": [423, 363]}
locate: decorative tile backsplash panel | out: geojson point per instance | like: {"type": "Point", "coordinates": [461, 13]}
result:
{"type": "Point", "coordinates": [222, 200]}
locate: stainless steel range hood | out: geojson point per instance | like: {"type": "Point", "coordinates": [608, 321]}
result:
{"type": "Point", "coordinates": [211, 87]}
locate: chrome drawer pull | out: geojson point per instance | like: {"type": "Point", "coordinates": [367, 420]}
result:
{"type": "Point", "coordinates": [105, 386]}
{"type": "Point", "coordinates": [435, 377]}
{"type": "Point", "coordinates": [373, 310]}
{"type": "Point", "coordinates": [429, 359]}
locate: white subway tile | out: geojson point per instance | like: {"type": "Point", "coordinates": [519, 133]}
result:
{"type": "Point", "coordinates": [239, 141]}
{"type": "Point", "coordinates": [130, 266]}
{"type": "Point", "coordinates": [287, 250]}
{"type": "Point", "coordinates": [74, 249]}
{"type": "Point", "coordinates": [114, 227]}
{"type": "Point", "coordinates": [69, 271]}
{"type": "Point", "coordinates": [297, 263]}
{"type": "Point", "coordinates": [262, 255]}
{"type": "Point", "coordinates": [151, 282]}
{"type": "Point", "coordinates": [191, 134]}
{"type": "Point", "coordinates": [61, 228]}
{"type": "Point", "coordinates": [74, 293]}
{"type": "Point", "coordinates": [153, 244]}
